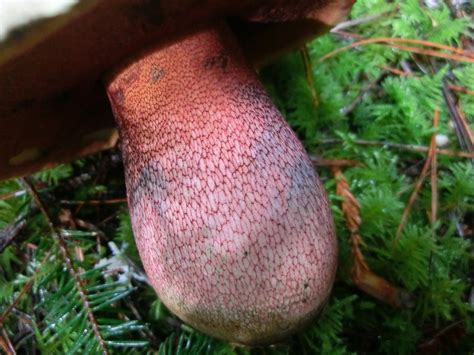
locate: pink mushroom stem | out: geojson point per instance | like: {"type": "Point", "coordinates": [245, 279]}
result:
{"type": "Point", "coordinates": [231, 221]}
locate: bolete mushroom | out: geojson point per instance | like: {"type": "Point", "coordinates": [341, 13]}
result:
{"type": "Point", "coordinates": [231, 221]}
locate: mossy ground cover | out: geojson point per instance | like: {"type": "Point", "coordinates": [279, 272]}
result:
{"type": "Point", "coordinates": [388, 124]}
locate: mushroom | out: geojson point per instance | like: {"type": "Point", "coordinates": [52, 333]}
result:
{"type": "Point", "coordinates": [231, 221]}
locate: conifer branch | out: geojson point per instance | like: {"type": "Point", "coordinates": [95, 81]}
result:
{"type": "Point", "coordinates": [69, 263]}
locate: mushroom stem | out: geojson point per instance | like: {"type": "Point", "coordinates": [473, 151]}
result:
{"type": "Point", "coordinates": [231, 221]}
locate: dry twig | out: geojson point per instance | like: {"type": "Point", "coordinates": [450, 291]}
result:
{"type": "Point", "coordinates": [463, 131]}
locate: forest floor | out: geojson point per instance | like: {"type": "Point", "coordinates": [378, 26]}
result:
{"type": "Point", "coordinates": [384, 104]}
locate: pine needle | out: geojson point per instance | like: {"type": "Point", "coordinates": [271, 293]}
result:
{"type": "Point", "coordinates": [463, 131]}
{"type": "Point", "coordinates": [406, 147]}
{"type": "Point", "coordinates": [95, 202]}
{"type": "Point", "coordinates": [320, 161]}
{"type": "Point", "coordinates": [434, 175]}
{"type": "Point", "coordinates": [308, 68]}
{"type": "Point", "coordinates": [461, 89]}
{"type": "Point", "coordinates": [421, 179]}
{"type": "Point", "coordinates": [456, 55]}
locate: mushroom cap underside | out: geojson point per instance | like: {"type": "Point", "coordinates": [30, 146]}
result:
{"type": "Point", "coordinates": [53, 107]}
